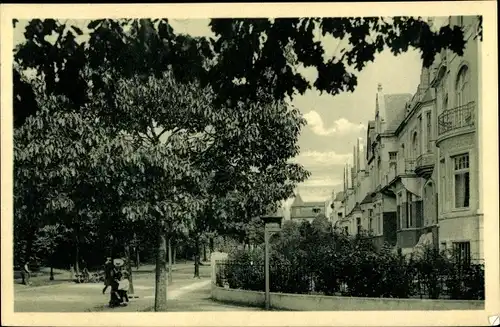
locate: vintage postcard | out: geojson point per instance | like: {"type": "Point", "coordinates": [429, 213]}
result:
{"type": "Point", "coordinates": [250, 164]}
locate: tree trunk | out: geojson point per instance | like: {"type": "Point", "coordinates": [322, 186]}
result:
{"type": "Point", "coordinates": [197, 258]}
{"type": "Point", "coordinates": [51, 273]}
{"type": "Point", "coordinates": [77, 257]}
{"type": "Point", "coordinates": [205, 259]}
{"type": "Point", "coordinates": [175, 254]}
{"type": "Point", "coordinates": [211, 245]}
{"type": "Point", "coordinates": [169, 261]}
{"type": "Point", "coordinates": [161, 271]}
{"type": "Point", "coordinates": [137, 259]}
{"type": "Point", "coordinates": [129, 269]}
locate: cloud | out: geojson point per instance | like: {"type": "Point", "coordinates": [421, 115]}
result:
{"type": "Point", "coordinates": [340, 127]}
{"type": "Point", "coordinates": [320, 182]}
{"type": "Point", "coordinates": [316, 158]}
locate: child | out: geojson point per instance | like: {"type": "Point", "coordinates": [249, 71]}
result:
{"type": "Point", "coordinates": [123, 287]}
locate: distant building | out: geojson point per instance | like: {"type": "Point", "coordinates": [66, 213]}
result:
{"type": "Point", "coordinates": [301, 211]}
{"type": "Point", "coordinates": [419, 180]}
{"type": "Point", "coordinates": [337, 206]}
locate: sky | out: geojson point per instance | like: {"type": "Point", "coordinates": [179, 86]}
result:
{"type": "Point", "coordinates": [334, 122]}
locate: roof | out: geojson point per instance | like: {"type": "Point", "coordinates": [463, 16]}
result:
{"type": "Point", "coordinates": [395, 109]}
{"type": "Point", "coordinates": [427, 96]}
{"type": "Point", "coordinates": [339, 196]}
{"type": "Point", "coordinates": [368, 199]}
{"type": "Point", "coordinates": [297, 201]}
{"type": "Point", "coordinates": [310, 204]}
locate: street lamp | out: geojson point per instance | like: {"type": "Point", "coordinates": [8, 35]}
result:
{"type": "Point", "coordinates": [272, 225]}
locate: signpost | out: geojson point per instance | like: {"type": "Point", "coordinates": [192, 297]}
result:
{"type": "Point", "coordinates": [272, 225]}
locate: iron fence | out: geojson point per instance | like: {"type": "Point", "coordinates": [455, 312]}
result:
{"type": "Point", "coordinates": [456, 282]}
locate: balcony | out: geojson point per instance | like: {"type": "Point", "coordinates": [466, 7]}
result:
{"type": "Point", "coordinates": [407, 168]}
{"type": "Point", "coordinates": [456, 118]}
{"type": "Point", "coordinates": [424, 165]}
{"type": "Point", "coordinates": [403, 168]}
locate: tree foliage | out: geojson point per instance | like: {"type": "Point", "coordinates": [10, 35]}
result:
{"type": "Point", "coordinates": [248, 59]}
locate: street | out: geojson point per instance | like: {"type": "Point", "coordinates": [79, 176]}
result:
{"type": "Point", "coordinates": [184, 294]}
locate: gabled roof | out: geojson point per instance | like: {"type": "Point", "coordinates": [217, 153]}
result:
{"type": "Point", "coordinates": [339, 196]}
{"type": "Point", "coordinates": [297, 201]}
{"type": "Point", "coordinates": [395, 109]}
{"type": "Point", "coordinates": [427, 96]}
{"type": "Point", "coordinates": [368, 199]}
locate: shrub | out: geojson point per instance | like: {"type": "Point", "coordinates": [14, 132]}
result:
{"type": "Point", "coordinates": [313, 258]}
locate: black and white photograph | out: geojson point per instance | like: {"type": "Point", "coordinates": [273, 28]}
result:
{"type": "Point", "coordinates": [161, 162]}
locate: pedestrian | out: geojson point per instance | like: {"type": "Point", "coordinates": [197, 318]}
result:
{"type": "Point", "coordinates": [123, 287]}
{"type": "Point", "coordinates": [108, 274]}
{"type": "Point", "coordinates": [27, 273]}
{"type": "Point", "coordinates": [115, 300]}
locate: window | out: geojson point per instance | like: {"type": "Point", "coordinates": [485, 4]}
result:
{"type": "Point", "coordinates": [442, 187]}
{"type": "Point", "coordinates": [400, 204]}
{"type": "Point", "coordinates": [379, 168]}
{"type": "Point", "coordinates": [428, 120]}
{"type": "Point", "coordinates": [339, 214]}
{"type": "Point", "coordinates": [463, 87]}
{"type": "Point", "coordinates": [445, 103]}
{"type": "Point", "coordinates": [429, 204]}
{"type": "Point", "coordinates": [409, 216]}
{"type": "Point", "coordinates": [379, 219]}
{"type": "Point", "coordinates": [370, 224]}
{"type": "Point", "coordinates": [393, 156]}
{"type": "Point", "coordinates": [346, 229]}
{"type": "Point", "coordinates": [461, 180]}
{"type": "Point", "coordinates": [461, 251]}
{"type": "Point", "coordinates": [358, 224]}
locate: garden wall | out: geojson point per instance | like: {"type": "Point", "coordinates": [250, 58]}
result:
{"type": "Point", "coordinates": [301, 302]}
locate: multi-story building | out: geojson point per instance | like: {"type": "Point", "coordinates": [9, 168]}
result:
{"type": "Point", "coordinates": [301, 211]}
{"type": "Point", "coordinates": [456, 83]}
{"type": "Point", "coordinates": [422, 160]}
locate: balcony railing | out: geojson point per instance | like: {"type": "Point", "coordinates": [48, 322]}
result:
{"type": "Point", "coordinates": [426, 159]}
{"type": "Point", "coordinates": [409, 166]}
{"type": "Point", "coordinates": [456, 118]}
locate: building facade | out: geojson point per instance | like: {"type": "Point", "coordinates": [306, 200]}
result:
{"type": "Point", "coordinates": [306, 211]}
{"type": "Point", "coordinates": [420, 173]}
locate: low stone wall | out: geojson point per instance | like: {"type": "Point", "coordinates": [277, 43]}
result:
{"type": "Point", "coordinates": [302, 302]}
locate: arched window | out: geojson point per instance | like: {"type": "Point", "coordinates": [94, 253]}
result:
{"type": "Point", "coordinates": [463, 86]}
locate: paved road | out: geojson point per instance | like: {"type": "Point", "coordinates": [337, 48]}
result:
{"type": "Point", "coordinates": [184, 294]}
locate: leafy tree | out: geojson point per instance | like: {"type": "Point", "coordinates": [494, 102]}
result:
{"type": "Point", "coordinates": [266, 52]}
{"type": "Point", "coordinates": [48, 238]}
{"type": "Point", "coordinates": [247, 56]}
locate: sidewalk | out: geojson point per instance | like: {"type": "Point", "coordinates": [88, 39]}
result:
{"type": "Point", "coordinates": [146, 303]}
{"type": "Point", "coordinates": [72, 297]}
{"type": "Point", "coordinates": [62, 276]}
